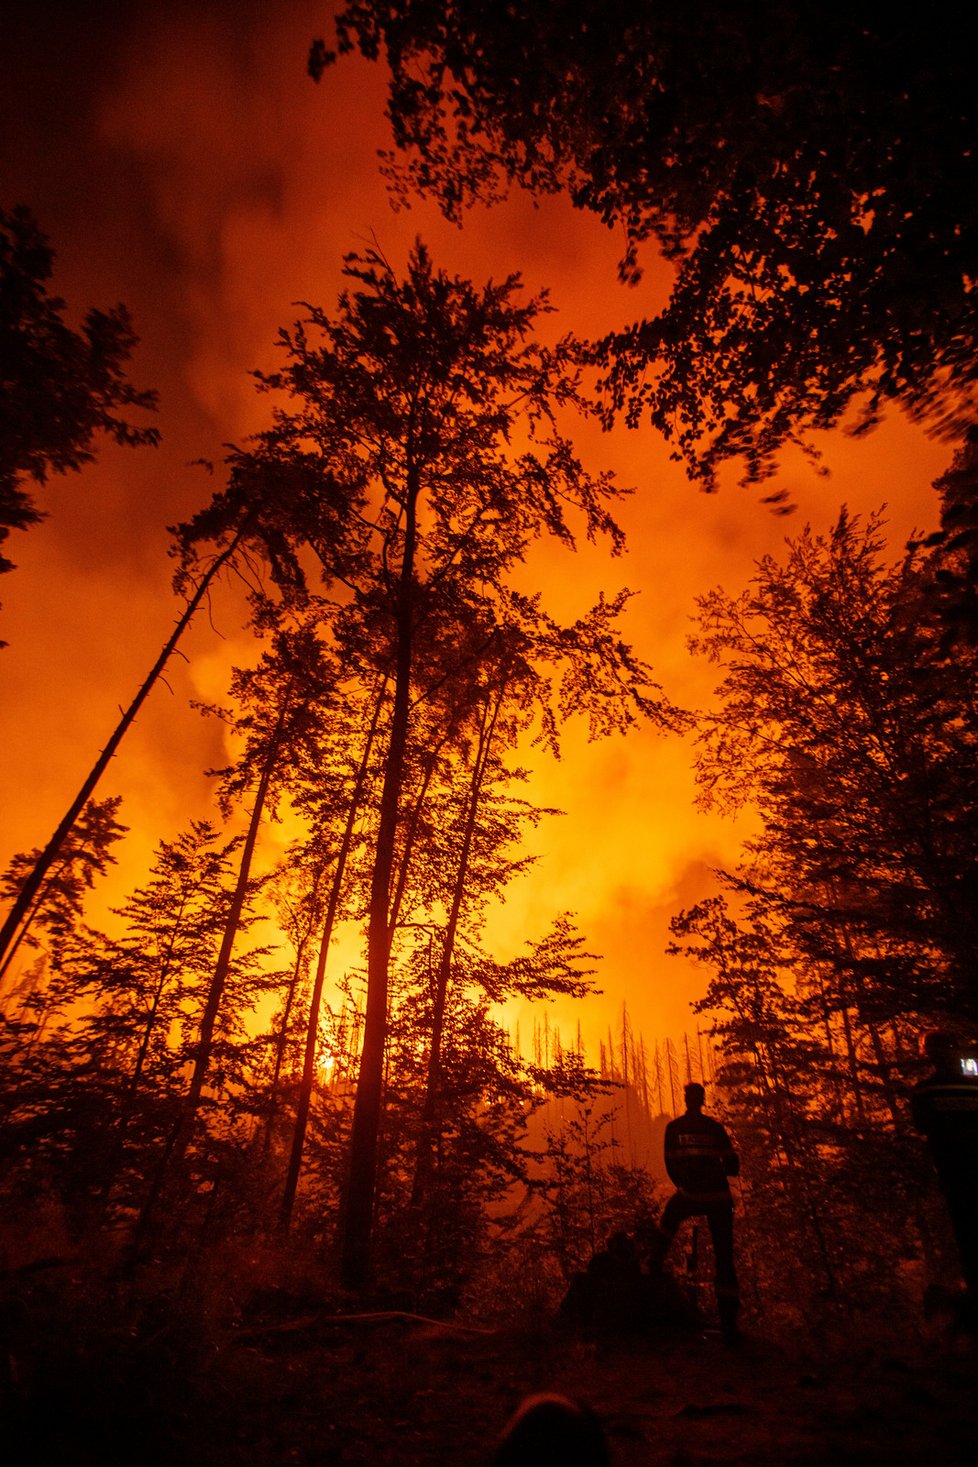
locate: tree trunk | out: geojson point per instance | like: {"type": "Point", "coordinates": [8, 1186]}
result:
{"type": "Point", "coordinates": [49, 855]}
{"type": "Point", "coordinates": [205, 1042]}
{"type": "Point", "coordinates": [132, 1088]}
{"type": "Point", "coordinates": [412, 829]}
{"type": "Point", "coordinates": [422, 1169]}
{"type": "Point", "coordinates": [356, 1226]}
{"type": "Point", "coordinates": [282, 1039]}
{"type": "Point", "coordinates": [181, 1134]}
{"type": "Point", "coordinates": [41, 891]}
{"type": "Point", "coordinates": [312, 1027]}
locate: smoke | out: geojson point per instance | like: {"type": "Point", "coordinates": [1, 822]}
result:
{"type": "Point", "coordinates": [182, 161]}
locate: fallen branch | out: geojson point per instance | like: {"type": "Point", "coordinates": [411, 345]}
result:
{"type": "Point", "coordinates": [386, 1316]}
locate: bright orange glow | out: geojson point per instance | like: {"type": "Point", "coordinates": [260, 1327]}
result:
{"type": "Point", "coordinates": [228, 188]}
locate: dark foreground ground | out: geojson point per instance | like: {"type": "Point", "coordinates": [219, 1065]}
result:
{"type": "Point", "coordinates": [86, 1382]}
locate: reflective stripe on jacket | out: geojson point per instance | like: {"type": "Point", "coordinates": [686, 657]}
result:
{"type": "Point", "coordinates": [700, 1157]}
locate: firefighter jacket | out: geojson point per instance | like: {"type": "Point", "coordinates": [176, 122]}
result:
{"type": "Point", "coordinates": [945, 1109]}
{"type": "Point", "coordinates": [699, 1157]}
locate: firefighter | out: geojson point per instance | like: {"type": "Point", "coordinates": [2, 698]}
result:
{"type": "Point", "coordinates": [699, 1159]}
{"type": "Point", "coordinates": [944, 1106]}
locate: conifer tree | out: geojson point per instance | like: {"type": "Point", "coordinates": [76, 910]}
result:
{"type": "Point", "coordinates": [848, 927]}
{"type": "Point", "coordinates": [280, 708]}
{"type": "Point", "coordinates": [56, 903]}
{"type": "Point", "coordinates": [94, 1095]}
{"type": "Point", "coordinates": [144, 983]}
{"type": "Point", "coordinates": [403, 408]}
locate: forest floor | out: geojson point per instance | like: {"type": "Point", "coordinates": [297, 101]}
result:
{"type": "Point", "coordinates": [92, 1382]}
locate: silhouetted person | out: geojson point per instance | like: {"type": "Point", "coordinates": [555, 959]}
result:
{"type": "Point", "coordinates": [550, 1431]}
{"type": "Point", "coordinates": [609, 1295]}
{"type": "Point", "coordinates": [699, 1159]}
{"type": "Point", "coordinates": [945, 1108]}
{"type": "Point", "coordinates": [615, 1296]}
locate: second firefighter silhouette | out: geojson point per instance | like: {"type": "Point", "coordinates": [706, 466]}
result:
{"type": "Point", "coordinates": [699, 1159]}
{"type": "Point", "coordinates": [945, 1108]}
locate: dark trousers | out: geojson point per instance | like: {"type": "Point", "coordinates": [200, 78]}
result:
{"type": "Point", "coordinates": [960, 1189]}
{"type": "Point", "coordinates": [719, 1218]}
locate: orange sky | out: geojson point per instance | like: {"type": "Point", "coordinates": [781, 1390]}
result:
{"type": "Point", "coordinates": [180, 160]}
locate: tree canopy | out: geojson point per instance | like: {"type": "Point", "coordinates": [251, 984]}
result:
{"type": "Point", "coordinates": [851, 727]}
{"type": "Point", "coordinates": [810, 173]}
{"type": "Point", "coordinates": [59, 388]}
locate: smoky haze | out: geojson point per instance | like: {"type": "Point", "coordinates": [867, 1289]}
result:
{"type": "Point", "coordinates": [180, 160]}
